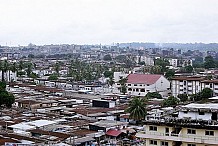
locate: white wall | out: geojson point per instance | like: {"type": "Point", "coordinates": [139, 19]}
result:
{"type": "Point", "coordinates": [195, 115]}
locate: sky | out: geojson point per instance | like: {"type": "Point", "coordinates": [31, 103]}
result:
{"type": "Point", "coordinates": [107, 21]}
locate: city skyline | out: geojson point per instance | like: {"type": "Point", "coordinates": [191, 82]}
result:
{"type": "Point", "coordinates": [96, 21]}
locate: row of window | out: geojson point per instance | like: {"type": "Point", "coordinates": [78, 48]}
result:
{"type": "Point", "coordinates": [164, 143]}
{"type": "Point", "coordinates": [154, 142]}
{"type": "Point", "coordinates": [189, 131]}
{"type": "Point", "coordinates": [138, 85]}
{"type": "Point", "coordinates": [137, 90]}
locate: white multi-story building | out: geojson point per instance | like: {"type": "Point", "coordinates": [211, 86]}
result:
{"type": "Point", "coordinates": [146, 59]}
{"type": "Point", "coordinates": [141, 84]}
{"type": "Point", "coordinates": [212, 84]}
{"type": "Point", "coordinates": [193, 125]}
{"type": "Point", "coordinates": [180, 62]}
{"type": "Point", "coordinates": [186, 85]}
{"type": "Point", "coordinates": [9, 76]}
{"type": "Point", "coordinates": [192, 85]}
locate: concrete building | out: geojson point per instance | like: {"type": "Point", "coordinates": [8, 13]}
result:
{"type": "Point", "coordinates": [146, 59]}
{"type": "Point", "coordinates": [186, 85]}
{"type": "Point", "coordinates": [180, 62]}
{"type": "Point", "coordinates": [192, 85]}
{"type": "Point", "coordinates": [191, 125]}
{"type": "Point", "coordinates": [141, 84]}
{"type": "Point", "coordinates": [9, 76]}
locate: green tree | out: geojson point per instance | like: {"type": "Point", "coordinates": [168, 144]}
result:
{"type": "Point", "coordinates": [21, 65]}
{"type": "Point", "coordinates": [170, 101]}
{"type": "Point", "coordinates": [169, 74]}
{"type": "Point", "coordinates": [137, 108]}
{"type": "Point", "coordinates": [108, 74]}
{"type": "Point", "coordinates": [29, 68]}
{"type": "Point", "coordinates": [209, 62]}
{"type": "Point", "coordinates": [53, 77]}
{"type": "Point", "coordinates": [189, 69]}
{"type": "Point", "coordinates": [57, 68]}
{"type": "Point", "coordinates": [107, 57]}
{"type": "Point", "coordinates": [163, 63]}
{"type": "Point", "coordinates": [183, 97]}
{"type": "Point", "coordinates": [206, 93]}
{"type": "Point", "coordinates": [153, 95]}
{"type": "Point", "coordinates": [4, 67]}
{"type": "Point", "coordinates": [123, 88]}
{"type": "Point", "coordinates": [111, 81]}
{"type": "Point", "coordinates": [6, 98]}
{"type": "Point", "coordinates": [33, 75]}
{"type": "Point", "coordinates": [156, 69]}
{"type": "Point", "coordinates": [31, 56]}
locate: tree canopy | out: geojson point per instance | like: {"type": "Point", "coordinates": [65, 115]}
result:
{"type": "Point", "coordinates": [53, 77]}
{"type": "Point", "coordinates": [183, 97]}
{"type": "Point", "coordinates": [137, 108]}
{"type": "Point", "coordinates": [170, 101]}
{"type": "Point", "coordinates": [153, 95]}
{"type": "Point", "coordinates": [6, 98]}
{"type": "Point", "coordinates": [162, 63]}
{"type": "Point", "coordinates": [107, 57]}
{"type": "Point", "coordinates": [123, 88]}
{"type": "Point", "coordinates": [209, 62]}
{"type": "Point", "coordinates": [204, 94]}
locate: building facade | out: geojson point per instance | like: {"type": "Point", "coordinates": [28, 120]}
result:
{"type": "Point", "coordinates": [141, 84]}
{"type": "Point", "coordinates": [193, 125]}
{"type": "Point", "coordinates": [192, 85]}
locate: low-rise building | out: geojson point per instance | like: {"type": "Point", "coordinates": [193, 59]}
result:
{"type": "Point", "coordinates": [141, 84]}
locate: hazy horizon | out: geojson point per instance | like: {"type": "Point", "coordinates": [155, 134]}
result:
{"type": "Point", "coordinates": [44, 22]}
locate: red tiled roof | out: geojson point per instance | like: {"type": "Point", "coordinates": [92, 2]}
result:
{"type": "Point", "coordinates": [113, 132]}
{"type": "Point", "coordinates": [143, 78]}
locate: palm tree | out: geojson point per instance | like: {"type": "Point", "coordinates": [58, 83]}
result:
{"type": "Point", "coordinates": [29, 69]}
{"type": "Point", "coordinates": [137, 108]}
{"type": "Point", "coordinates": [21, 65]}
{"type": "Point", "coordinates": [57, 68]}
{"type": "Point", "coordinates": [4, 67]}
{"type": "Point", "coordinates": [123, 88]}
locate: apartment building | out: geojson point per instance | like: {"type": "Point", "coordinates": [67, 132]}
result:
{"type": "Point", "coordinates": [191, 125]}
{"type": "Point", "coordinates": [212, 84]}
{"type": "Point", "coordinates": [148, 60]}
{"type": "Point", "coordinates": [186, 85]}
{"type": "Point", "coordinates": [180, 62]}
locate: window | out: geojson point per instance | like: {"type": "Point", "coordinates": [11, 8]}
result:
{"type": "Point", "coordinates": [140, 85]}
{"type": "Point", "coordinates": [211, 85]}
{"type": "Point", "coordinates": [148, 85]}
{"type": "Point", "coordinates": [191, 131]}
{"type": "Point", "coordinates": [191, 144]}
{"type": "Point", "coordinates": [135, 84]}
{"type": "Point", "coordinates": [142, 90]}
{"type": "Point", "coordinates": [137, 90]}
{"type": "Point", "coordinates": [201, 113]}
{"type": "Point", "coordinates": [185, 112]}
{"type": "Point", "coordinates": [153, 142]}
{"type": "Point", "coordinates": [152, 128]}
{"type": "Point", "coordinates": [164, 143]}
{"type": "Point", "coordinates": [129, 84]}
{"type": "Point", "coordinates": [210, 133]}
{"type": "Point", "coordinates": [130, 89]}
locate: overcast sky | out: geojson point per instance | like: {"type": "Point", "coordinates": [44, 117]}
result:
{"type": "Point", "coordinates": [107, 21]}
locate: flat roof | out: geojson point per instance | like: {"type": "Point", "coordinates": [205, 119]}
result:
{"type": "Point", "coordinates": [41, 123]}
{"type": "Point", "coordinates": [22, 126]}
{"type": "Point", "coordinates": [202, 106]}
